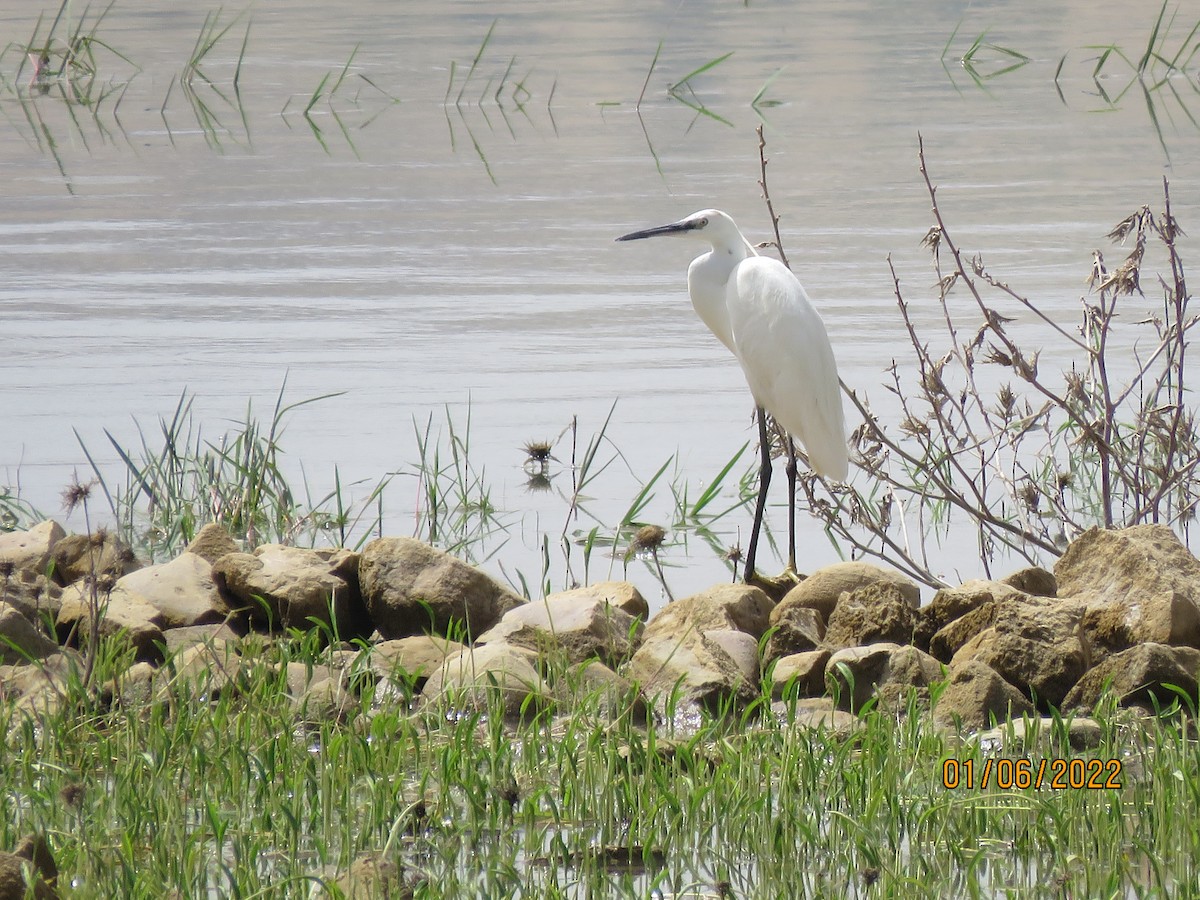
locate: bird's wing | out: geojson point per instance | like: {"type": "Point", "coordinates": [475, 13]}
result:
{"type": "Point", "coordinates": [784, 350]}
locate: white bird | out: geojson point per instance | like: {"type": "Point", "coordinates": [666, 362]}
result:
{"type": "Point", "coordinates": [758, 309]}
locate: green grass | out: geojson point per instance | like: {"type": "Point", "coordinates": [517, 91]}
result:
{"type": "Point", "coordinates": [237, 798]}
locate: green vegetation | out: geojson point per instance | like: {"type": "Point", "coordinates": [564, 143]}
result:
{"type": "Point", "coordinates": [241, 795]}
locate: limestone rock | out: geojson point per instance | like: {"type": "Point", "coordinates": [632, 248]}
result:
{"type": "Point", "coordinates": [176, 639]}
{"type": "Point", "coordinates": [886, 671]}
{"type": "Point", "coordinates": [796, 630]}
{"type": "Point", "coordinates": [292, 587]}
{"type": "Point", "coordinates": [698, 650]}
{"type": "Point", "coordinates": [620, 594]}
{"type": "Point", "coordinates": [593, 682]}
{"type": "Point", "coordinates": [35, 596]}
{"type": "Point", "coordinates": [799, 674]}
{"type": "Point", "coordinates": [579, 626]}
{"type": "Point", "coordinates": [182, 590]}
{"type": "Point", "coordinates": [951, 604]}
{"type": "Point", "coordinates": [1131, 568]}
{"type": "Point", "coordinates": [876, 613]}
{"type": "Point", "coordinates": [1165, 618]}
{"type": "Point", "coordinates": [817, 715]}
{"type": "Point", "coordinates": [822, 589]}
{"type": "Point", "coordinates": [976, 697]}
{"type": "Point", "coordinates": [1042, 735]}
{"type": "Point", "coordinates": [77, 556]}
{"type": "Point", "coordinates": [951, 637]}
{"type": "Point", "coordinates": [1036, 644]}
{"type": "Point", "coordinates": [212, 542]}
{"type": "Point", "coordinates": [121, 612]}
{"type": "Point", "coordinates": [412, 588]}
{"type": "Point", "coordinates": [373, 877]}
{"type": "Point", "coordinates": [737, 606]}
{"type": "Point", "coordinates": [20, 640]}
{"type": "Point", "coordinates": [211, 670]}
{"type": "Point", "coordinates": [479, 675]}
{"type": "Point", "coordinates": [39, 688]}
{"type": "Point", "coordinates": [30, 550]}
{"type": "Point", "coordinates": [409, 661]}
{"type": "Point", "coordinates": [1035, 581]}
{"type": "Point", "coordinates": [1137, 677]}
{"type": "Point", "coordinates": [1110, 565]}
{"type": "Point", "coordinates": [32, 854]}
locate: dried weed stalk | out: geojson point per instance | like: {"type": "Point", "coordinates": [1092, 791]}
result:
{"type": "Point", "coordinates": [1045, 455]}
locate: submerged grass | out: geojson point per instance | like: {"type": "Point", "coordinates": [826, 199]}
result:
{"type": "Point", "coordinates": [237, 796]}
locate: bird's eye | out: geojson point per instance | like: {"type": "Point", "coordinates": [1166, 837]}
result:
{"type": "Point", "coordinates": [703, 223]}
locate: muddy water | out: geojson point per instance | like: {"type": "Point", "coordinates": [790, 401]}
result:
{"type": "Point", "coordinates": [423, 250]}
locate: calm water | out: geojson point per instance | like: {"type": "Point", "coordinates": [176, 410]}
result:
{"type": "Point", "coordinates": [420, 255]}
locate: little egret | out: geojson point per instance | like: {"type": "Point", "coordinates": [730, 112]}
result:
{"type": "Point", "coordinates": [758, 309]}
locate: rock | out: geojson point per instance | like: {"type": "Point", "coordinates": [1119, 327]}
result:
{"type": "Point", "coordinates": [620, 594]}
{"type": "Point", "coordinates": [1036, 644]}
{"type": "Point", "coordinates": [799, 674]}
{"type": "Point", "coordinates": [412, 588]}
{"type": "Point", "coordinates": [796, 630]}
{"type": "Point", "coordinates": [32, 854]}
{"type": "Point", "coordinates": [77, 556]}
{"type": "Point", "coordinates": [951, 604]}
{"type": "Point", "coordinates": [885, 671]}
{"type": "Point", "coordinates": [578, 626]}
{"type": "Point", "coordinates": [121, 612]}
{"type": "Point", "coordinates": [20, 640]}
{"type": "Point", "coordinates": [39, 688]}
{"type": "Point", "coordinates": [1166, 618]}
{"type": "Point", "coordinates": [30, 550]}
{"type": "Point", "coordinates": [592, 682]}
{"type": "Point", "coordinates": [737, 606]}
{"type": "Point", "coordinates": [954, 634]}
{"type": "Point", "coordinates": [1138, 676]}
{"type": "Point", "coordinates": [977, 697]}
{"type": "Point", "coordinates": [291, 587]}
{"type": "Point", "coordinates": [1139, 560]}
{"type": "Point", "coordinates": [741, 648]}
{"type": "Point", "coordinates": [817, 715]}
{"type": "Point", "coordinates": [212, 542]}
{"type": "Point", "coordinates": [1131, 568]}
{"type": "Point", "coordinates": [410, 661]}
{"type": "Point", "coordinates": [1029, 734]}
{"type": "Point", "coordinates": [320, 693]}
{"type": "Point", "coordinates": [182, 590]}
{"type": "Point", "coordinates": [177, 639]}
{"type": "Point", "coordinates": [822, 589]}
{"type": "Point", "coordinates": [1035, 581]}
{"type": "Point", "coordinates": [210, 670]}
{"type": "Point", "coordinates": [876, 613]}
{"type": "Point", "coordinates": [480, 675]}
{"type": "Point", "coordinates": [690, 653]}
{"type": "Point", "coordinates": [373, 877]}
{"type": "Point", "coordinates": [35, 596]}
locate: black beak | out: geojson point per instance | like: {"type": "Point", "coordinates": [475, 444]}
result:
{"type": "Point", "coordinates": [673, 228]}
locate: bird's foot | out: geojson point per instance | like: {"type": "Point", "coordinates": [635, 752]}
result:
{"type": "Point", "coordinates": [775, 587]}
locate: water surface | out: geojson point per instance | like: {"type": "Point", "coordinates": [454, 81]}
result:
{"type": "Point", "coordinates": [423, 253]}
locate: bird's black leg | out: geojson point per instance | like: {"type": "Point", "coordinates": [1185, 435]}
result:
{"type": "Point", "coordinates": [764, 481]}
{"type": "Point", "coordinates": [791, 477]}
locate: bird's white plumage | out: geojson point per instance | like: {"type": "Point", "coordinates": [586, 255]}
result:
{"type": "Point", "coordinates": [781, 342]}
{"type": "Point", "coordinates": [758, 309]}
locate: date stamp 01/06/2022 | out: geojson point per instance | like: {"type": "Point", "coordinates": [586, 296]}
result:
{"type": "Point", "coordinates": [1053, 773]}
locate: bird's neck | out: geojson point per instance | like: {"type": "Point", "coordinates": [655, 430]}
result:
{"type": "Point", "coordinates": [708, 276]}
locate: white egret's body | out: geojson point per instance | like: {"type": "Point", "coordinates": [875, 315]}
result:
{"type": "Point", "coordinates": [758, 309]}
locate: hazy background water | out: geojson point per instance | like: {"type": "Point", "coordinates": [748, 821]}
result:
{"type": "Point", "coordinates": [428, 257]}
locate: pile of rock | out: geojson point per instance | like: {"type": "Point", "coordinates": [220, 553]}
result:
{"type": "Point", "coordinates": [1119, 613]}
